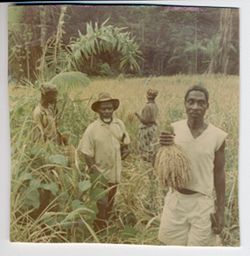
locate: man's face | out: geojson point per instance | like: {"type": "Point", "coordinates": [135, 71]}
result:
{"type": "Point", "coordinates": [105, 111]}
{"type": "Point", "coordinates": [196, 104]}
{"type": "Point", "coordinates": [51, 97]}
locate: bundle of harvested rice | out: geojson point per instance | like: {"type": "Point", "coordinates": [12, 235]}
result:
{"type": "Point", "coordinates": [172, 165]}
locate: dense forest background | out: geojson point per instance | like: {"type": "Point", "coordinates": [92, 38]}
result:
{"type": "Point", "coordinates": [157, 40]}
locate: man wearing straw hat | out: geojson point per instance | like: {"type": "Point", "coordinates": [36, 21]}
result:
{"type": "Point", "coordinates": [101, 148]}
{"type": "Point", "coordinates": [194, 215]}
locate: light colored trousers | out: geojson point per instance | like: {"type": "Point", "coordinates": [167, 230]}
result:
{"type": "Point", "coordinates": [186, 220]}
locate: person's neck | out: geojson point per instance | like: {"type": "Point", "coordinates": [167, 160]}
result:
{"type": "Point", "coordinates": [45, 104]}
{"type": "Point", "coordinates": [151, 101]}
{"type": "Point", "coordinates": [194, 124]}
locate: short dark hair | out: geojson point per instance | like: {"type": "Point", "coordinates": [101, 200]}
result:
{"type": "Point", "coordinates": [197, 88]}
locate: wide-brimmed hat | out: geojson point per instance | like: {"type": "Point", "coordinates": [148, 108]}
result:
{"type": "Point", "coordinates": [48, 88]}
{"type": "Point", "coordinates": [152, 93]}
{"type": "Point", "coordinates": [105, 97]}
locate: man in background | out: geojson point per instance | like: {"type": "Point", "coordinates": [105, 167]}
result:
{"type": "Point", "coordinates": [45, 116]}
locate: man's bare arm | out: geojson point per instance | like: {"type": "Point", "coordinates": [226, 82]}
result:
{"type": "Point", "coordinates": [90, 161]}
{"type": "Point", "coordinates": [219, 183]}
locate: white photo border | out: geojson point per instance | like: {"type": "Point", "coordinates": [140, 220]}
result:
{"type": "Point", "coordinates": [8, 248]}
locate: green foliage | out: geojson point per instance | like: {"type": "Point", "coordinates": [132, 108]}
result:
{"type": "Point", "coordinates": [45, 41]}
{"type": "Point", "coordinates": [103, 47]}
{"type": "Point", "coordinates": [38, 167]}
{"type": "Point", "coordinates": [52, 186]}
{"type": "Point", "coordinates": [58, 159]}
{"type": "Point", "coordinates": [84, 185]}
{"type": "Point", "coordinates": [32, 195]}
{"type": "Point", "coordinates": [70, 80]}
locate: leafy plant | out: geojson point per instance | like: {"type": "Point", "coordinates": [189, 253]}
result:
{"type": "Point", "coordinates": [105, 44]}
{"type": "Point", "coordinates": [66, 81]}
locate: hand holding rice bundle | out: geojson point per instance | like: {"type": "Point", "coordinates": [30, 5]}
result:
{"type": "Point", "coordinates": [171, 165]}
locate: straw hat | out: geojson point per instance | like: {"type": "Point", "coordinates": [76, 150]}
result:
{"type": "Point", "coordinates": [105, 97]}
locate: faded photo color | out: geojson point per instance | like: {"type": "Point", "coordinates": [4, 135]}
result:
{"type": "Point", "coordinates": [108, 144]}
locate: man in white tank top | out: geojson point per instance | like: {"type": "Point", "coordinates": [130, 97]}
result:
{"type": "Point", "coordinates": [194, 215]}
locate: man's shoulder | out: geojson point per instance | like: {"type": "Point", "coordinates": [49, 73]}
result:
{"type": "Point", "coordinates": [93, 125]}
{"type": "Point", "coordinates": [117, 121]}
{"type": "Point", "coordinates": [37, 108]}
{"type": "Point", "coordinates": [150, 105]}
{"type": "Point", "coordinates": [37, 111]}
{"type": "Point", "coordinates": [217, 130]}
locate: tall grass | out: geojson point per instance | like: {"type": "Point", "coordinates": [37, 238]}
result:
{"type": "Point", "coordinates": [139, 201]}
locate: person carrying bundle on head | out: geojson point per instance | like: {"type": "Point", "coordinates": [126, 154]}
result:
{"type": "Point", "coordinates": [148, 126]}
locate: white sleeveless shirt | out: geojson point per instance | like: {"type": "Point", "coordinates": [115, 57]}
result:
{"type": "Point", "coordinates": [201, 152]}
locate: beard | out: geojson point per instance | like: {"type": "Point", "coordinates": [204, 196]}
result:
{"type": "Point", "coordinates": [107, 120]}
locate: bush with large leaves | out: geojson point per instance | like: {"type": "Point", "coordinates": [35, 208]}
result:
{"type": "Point", "coordinates": [104, 49]}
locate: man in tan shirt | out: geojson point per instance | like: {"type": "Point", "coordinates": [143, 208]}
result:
{"type": "Point", "coordinates": [100, 147]}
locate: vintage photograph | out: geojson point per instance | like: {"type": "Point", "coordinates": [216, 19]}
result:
{"type": "Point", "coordinates": [124, 123]}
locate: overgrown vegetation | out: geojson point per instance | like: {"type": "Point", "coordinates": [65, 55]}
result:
{"type": "Point", "coordinates": [72, 192]}
{"type": "Point", "coordinates": [108, 40]}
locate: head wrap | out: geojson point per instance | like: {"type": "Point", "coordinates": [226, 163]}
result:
{"type": "Point", "coordinates": [48, 88]}
{"type": "Point", "coordinates": [152, 93]}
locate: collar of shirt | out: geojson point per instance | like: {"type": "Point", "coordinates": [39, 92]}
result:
{"type": "Point", "coordinates": [114, 121]}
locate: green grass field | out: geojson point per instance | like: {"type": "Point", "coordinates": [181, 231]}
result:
{"type": "Point", "coordinates": [139, 201]}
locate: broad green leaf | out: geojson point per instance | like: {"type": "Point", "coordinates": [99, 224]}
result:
{"type": "Point", "coordinates": [53, 187]}
{"type": "Point", "coordinates": [97, 193]}
{"type": "Point", "coordinates": [34, 184]}
{"type": "Point", "coordinates": [71, 80]}
{"type": "Point", "coordinates": [58, 159]}
{"type": "Point", "coordinates": [76, 204]}
{"type": "Point", "coordinates": [32, 198]}
{"type": "Point", "coordinates": [75, 213]}
{"type": "Point", "coordinates": [25, 176]}
{"type": "Point", "coordinates": [84, 185]}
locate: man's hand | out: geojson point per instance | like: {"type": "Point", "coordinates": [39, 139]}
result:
{"type": "Point", "coordinates": [166, 139]}
{"type": "Point", "coordinates": [137, 115]}
{"type": "Point", "coordinates": [94, 168]}
{"type": "Point", "coordinates": [217, 220]}
{"type": "Point", "coordinates": [124, 151]}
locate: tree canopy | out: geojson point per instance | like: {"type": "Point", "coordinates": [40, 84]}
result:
{"type": "Point", "coordinates": [140, 40]}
